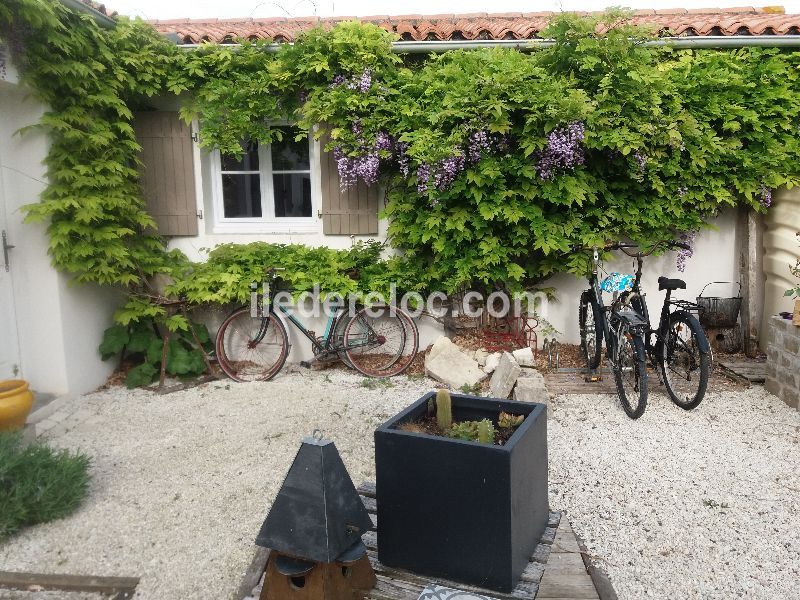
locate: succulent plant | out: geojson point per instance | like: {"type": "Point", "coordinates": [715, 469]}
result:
{"type": "Point", "coordinates": [466, 430]}
{"type": "Point", "coordinates": [485, 431]}
{"type": "Point", "coordinates": [508, 420]}
{"type": "Point", "coordinates": [444, 410]}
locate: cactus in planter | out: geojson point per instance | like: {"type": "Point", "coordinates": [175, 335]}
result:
{"type": "Point", "coordinates": [485, 432]}
{"type": "Point", "coordinates": [444, 410]}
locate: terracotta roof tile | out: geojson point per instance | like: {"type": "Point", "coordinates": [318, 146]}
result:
{"type": "Point", "coordinates": [521, 26]}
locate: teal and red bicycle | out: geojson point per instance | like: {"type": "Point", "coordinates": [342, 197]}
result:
{"type": "Point", "coordinates": [253, 343]}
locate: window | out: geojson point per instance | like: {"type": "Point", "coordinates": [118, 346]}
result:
{"type": "Point", "coordinates": [268, 188]}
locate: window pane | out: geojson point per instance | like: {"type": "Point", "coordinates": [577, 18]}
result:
{"type": "Point", "coordinates": [241, 195]}
{"type": "Point", "coordinates": [288, 155]}
{"type": "Point", "coordinates": [292, 195]}
{"type": "Point", "coordinates": [249, 162]}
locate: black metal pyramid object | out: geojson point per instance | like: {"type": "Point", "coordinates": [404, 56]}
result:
{"type": "Point", "coordinates": [318, 513]}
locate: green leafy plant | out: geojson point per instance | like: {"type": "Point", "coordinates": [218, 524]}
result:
{"type": "Point", "coordinates": [37, 483]}
{"type": "Point", "coordinates": [373, 383]}
{"type": "Point", "coordinates": [466, 143]}
{"type": "Point", "coordinates": [474, 431]}
{"type": "Point", "coordinates": [444, 409]}
{"type": "Point", "coordinates": [142, 342]}
{"type": "Point", "coordinates": [471, 389]}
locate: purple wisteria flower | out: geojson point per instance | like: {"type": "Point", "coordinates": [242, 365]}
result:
{"type": "Point", "coordinates": [423, 178]}
{"type": "Point", "coordinates": [383, 141]}
{"type": "Point", "coordinates": [477, 144]}
{"type": "Point", "coordinates": [564, 150]}
{"type": "Point", "coordinates": [641, 160]}
{"type": "Point", "coordinates": [303, 96]}
{"type": "Point", "coordinates": [766, 196]}
{"type": "Point", "coordinates": [356, 128]}
{"type": "Point", "coordinates": [401, 151]}
{"type": "Point", "coordinates": [348, 174]}
{"type": "Point", "coordinates": [686, 237]}
{"type": "Point", "coordinates": [447, 170]}
{"type": "Point", "coordinates": [353, 168]}
{"type": "Point", "coordinates": [682, 191]}
{"type": "Point", "coordinates": [338, 80]}
{"type": "Point", "coordinates": [362, 83]}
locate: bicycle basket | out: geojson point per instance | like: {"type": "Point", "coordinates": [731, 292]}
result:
{"type": "Point", "coordinates": [719, 312]}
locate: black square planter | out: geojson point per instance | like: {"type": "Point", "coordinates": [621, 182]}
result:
{"type": "Point", "coordinates": [462, 510]}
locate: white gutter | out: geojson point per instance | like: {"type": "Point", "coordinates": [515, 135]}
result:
{"type": "Point", "coordinates": [705, 41]}
{"type": "Point", "coordinates": [100, 18]}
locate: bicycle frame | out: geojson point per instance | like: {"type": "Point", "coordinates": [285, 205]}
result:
{"type": "Point", "coordinates": [322, 345]}
{"type": "Point", "coordinates": [639, 302]}
{"type": "Point", "coordinates": [629, 319]}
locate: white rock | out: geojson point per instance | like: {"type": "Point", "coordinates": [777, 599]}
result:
{"type": "Point", "coordinates": [491, 362]}
{"type": "Point", "coordinates": [440, 344]}
{"type": "Point", "coordinates": [504, 376]}
{"type": "Point", "coordinates": [530, 388]}
{"type": "Point", "coordinates": [524, 356]}
{"type": "Point", "coordinates": [481, 356]}
{"type": "Point", "coordinates": [446, 363]}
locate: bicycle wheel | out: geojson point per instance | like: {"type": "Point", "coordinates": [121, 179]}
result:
{"type": "Point", "coordinates": [342, 321]}
{"type": "Point", "coordinates": [684, 367]}
{"type": "Point", "coordinates": [630, 373]}
{"type": "Point", "coordinates": [251, 349]}
{"type": "Point", "coordinates": [591, 332]}
{"type": "Point", "coordinates": [379, 340]}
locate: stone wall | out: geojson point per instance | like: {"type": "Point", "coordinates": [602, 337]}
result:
{"type": "Point", "coordinates": [783, 361]}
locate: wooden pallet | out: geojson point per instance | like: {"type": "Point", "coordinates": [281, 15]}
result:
{"type": "Point", "coordinates": [556, 569]}
{"type": "Point", "coordinates": [753, 371]}
{"type": "Point", "coordinates": [120, 588]}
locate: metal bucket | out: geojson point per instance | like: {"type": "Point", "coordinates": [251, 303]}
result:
{"type": "Point", "coordinates": [719, 312]}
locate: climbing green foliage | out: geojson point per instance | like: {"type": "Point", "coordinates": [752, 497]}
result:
{"type": "Point", "coordinates": [90, 79]}
{"type": "Point", "coordinates": [495, 162]}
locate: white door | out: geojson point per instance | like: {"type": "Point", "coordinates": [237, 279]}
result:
{"type": "Point", "coordinates": [9, 345]}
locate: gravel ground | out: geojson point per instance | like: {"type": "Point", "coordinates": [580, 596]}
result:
{"type": "Point", "coordinates": [704, 504]}
{"type": "Point", "coordinates": [182, 482]}
{"type": "Point", "coordinates": [675, 505]}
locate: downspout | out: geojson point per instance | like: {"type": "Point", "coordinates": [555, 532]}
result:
{"type": "Point", "coordinates": [709, 41]}
{"type": "Point", "coordinates": [101, 19]}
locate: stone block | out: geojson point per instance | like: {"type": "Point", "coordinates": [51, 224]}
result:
{"type": "Point", "coordinates": [524, 356]}
{"type": "Point", "coordinates": [504, 376]}
{"type": "Point", "coordinates": [773, 387]}
{"type": "Point", "coordinates": [791, 396]}
{"type": "Point", "coordinates": [446, 363]}
{"type": "Point", "coordinates": [491, 362]}
{"type": "Point", "coordinates": [481, 356]}
{"type": "Point", "coordinates": [772, 370]}
{"type": "Point", "coordinates": [791, 344]}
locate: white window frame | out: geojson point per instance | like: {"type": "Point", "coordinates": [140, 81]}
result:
{"type": "Point", "coordinates": [268, 222]}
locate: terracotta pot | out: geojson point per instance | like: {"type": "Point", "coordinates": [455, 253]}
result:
{"type": "Point", "coordinates": [16, 401]}
{"type": "Point", "coordinates": [796, 316]}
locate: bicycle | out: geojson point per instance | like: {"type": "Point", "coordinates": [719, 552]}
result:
{"type": "Point", "coordinates": [252, 343]}
{"type": "Point", "coordinates": [623, 330]}
{"type": "Point", "coordinates": [678, 348]}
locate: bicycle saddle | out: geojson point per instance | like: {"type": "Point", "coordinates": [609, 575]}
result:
{"type": "Point", "coordinates": [671, 284]}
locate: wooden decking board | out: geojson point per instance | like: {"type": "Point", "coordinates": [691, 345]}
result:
{"type": "Point", "coordinates": [119, 587]}
{"type": "Point", "coordinates": [754, 371]}
{"type": "Point", "coordinates": [556, 570]}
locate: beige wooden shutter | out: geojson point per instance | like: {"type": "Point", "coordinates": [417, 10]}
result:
{"type": "Point", "coordinates": [352, 211]}
{"type": "Point", "coordinates": [167, 171]}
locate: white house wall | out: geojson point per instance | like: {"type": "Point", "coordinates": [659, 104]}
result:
{"type": "Point", "coordinates": [59, 325]}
